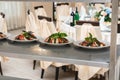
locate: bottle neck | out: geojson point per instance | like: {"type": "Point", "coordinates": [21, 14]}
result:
{"type": "Point", "coordinates": [76, 10]}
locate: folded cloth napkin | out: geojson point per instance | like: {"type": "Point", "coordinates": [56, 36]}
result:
{"type": "Point", "coordinates": [3, 25]}
{"type": "Point", "coordinates": [86, 72]}
{"type": "Point", "coordinates": [31, 24]}
{"type": "Point", "coordinates": [88, 28]}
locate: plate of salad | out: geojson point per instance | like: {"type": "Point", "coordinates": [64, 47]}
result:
{"type": "Point", "coordinates": [2, 36]}
{"type": "Point", "coordinates": [91, 42]}
{"type": "Point", "coordinates": [57, 39]}
{"type": "Point", "coordinates": [24, 36]}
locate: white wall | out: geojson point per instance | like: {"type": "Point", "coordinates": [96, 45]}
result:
{"type": "Point", "coordinates": [14, 13]}
{"type": "Point", "coordinates": [48, 6]}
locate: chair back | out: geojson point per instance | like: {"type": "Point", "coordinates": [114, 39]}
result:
{"type": "Point", "coordinates": [62, 9]}
{"type": "Point", "coordinates": [40, 11]}
{"type": "Point", "coordinates": [88, 28]}
{"type": "Point", "coordinates": [31, 24]}
{"type": "Point", "coordinates": [94, 23]}
{"type": "Point", "coordinates": [46, 26]}
{"type": "Point", "coordinates": [3, 24]}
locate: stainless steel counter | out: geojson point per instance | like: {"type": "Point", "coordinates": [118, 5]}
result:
{"type": "Point", "coordinates": [66, 54]}
{"type": "Point", "coordinates": [10, 78]}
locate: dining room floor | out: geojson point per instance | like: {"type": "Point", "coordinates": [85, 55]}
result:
{"type": "Point", "coordinates": [23, 68]}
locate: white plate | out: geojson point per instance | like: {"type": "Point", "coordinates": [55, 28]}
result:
{"type": "Point", "coordinates": [12, 38]}
{"type": "Point", "coordinates": [76, 43]}
{"type": "Point", "coordinates": [56, 44]}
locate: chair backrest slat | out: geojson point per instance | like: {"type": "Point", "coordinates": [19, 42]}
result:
{"type": "Point", "coordinates": [94, 23]}
{"type": "Point", "coordinates": [36, 7]}
{"type": "Point", "coordinates": [59, 4]}
{"type": "Point", "coordinates": [43, 17]}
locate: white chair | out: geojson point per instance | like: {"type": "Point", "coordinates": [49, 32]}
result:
{"type": "Point", "coordinates": [44, 28]}
{"type": "Point", "coordinates": [82, 9]}
{"type": "Point", "coordinates": [47, 28]}
{"type": "Point", "coordinates": [86, 72]}
{"type": "Point", "coordinates": [81, 31]}
{"type": "Point", "coordinates": [62, 13]}
{"type": "Point", "coordinates": [3, 25]}
{"type": "Point", "coordinates": [39, 11]}
{"type": "Point", "coordinates": [3, 29]}
{"type": "Point", "coordinates": [31, 24]}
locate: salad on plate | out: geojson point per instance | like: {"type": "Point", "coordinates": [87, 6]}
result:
{"type": "Point", "coordinates": [57, 38]}
{"type": "Point", "coordinates": [91, 41]}
{"type": "Point", "coordinates": [25, 36]}
{"type": "Point", "coordinates": [2, 36]}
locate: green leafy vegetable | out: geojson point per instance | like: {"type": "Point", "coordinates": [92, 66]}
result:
{"type": "Point", "coordinates": [90, 39]}
{"type": "Point", "coordinates": [58, 35]}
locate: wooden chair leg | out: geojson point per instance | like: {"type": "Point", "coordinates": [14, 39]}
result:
{"type": "Point", "coordinates": [34, 64]}
{"type": "Point", "coordinates": [42, 73]}
{"type": "Point", "coordinates": [1, 69]}
{"type": "Point", "coordinates": [57, 73]}
{"type": "Point", "coordinates": [64, 68]}
{"type": "Point", "coordinates": [76, 75]}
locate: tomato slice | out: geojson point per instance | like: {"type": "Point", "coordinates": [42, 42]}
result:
{"type": "Point", "coordinates": [21, 37]}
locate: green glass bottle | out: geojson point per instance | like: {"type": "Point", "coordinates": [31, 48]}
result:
{"type": "Point", "coordinates": [76, 17]}
{"type": "Point", "coordinates": [72, 22]}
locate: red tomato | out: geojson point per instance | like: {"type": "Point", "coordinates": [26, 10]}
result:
{"type": "Point", "coordinates": [21, 37]}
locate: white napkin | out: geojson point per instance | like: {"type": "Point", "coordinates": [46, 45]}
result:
{"type": "Point", "coordinates": [31, 24]}
{"type": "Point", "coordinates": [3, 25]}
{"type": "Point", "coordinates": [82, 13]}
